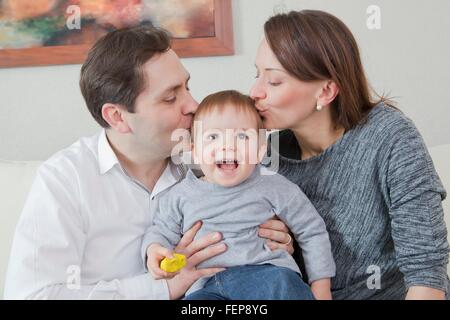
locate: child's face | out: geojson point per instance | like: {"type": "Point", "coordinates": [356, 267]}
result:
{"type": "Point", "coordinates": [226, 146]}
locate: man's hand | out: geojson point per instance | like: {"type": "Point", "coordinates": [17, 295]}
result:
{"type": "Point", "coordinates": [155, 254]}
{"type": "Point", "coordinates": [278, 234]}
{"type": "Point", "coordinates": [196, 252]}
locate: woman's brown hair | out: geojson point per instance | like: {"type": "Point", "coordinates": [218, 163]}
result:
{"type": "Point", "coordinates": [314, 45]}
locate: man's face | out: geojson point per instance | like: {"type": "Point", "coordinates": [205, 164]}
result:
{"type": "Point", "coordinates": [164, 106]}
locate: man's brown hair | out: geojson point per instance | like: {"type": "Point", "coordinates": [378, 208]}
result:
{"type": "Point", "coordinates": [112, 72]}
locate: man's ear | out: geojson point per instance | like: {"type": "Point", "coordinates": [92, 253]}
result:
{"type": "Point", "coordinates": [113, 114]}
{"type": "Point", "coordinates": [329, 92]}
{"type": "Point", "coordinates": [262, 151]}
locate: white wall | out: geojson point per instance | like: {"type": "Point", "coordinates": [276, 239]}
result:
{"type": "Point", "coordinates": [42, 110]}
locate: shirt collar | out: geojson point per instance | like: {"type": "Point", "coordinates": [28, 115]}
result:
{"type": "Point", "coordinates": [172, 174]}
{"type": "Point", "coordinates": [107, 159]}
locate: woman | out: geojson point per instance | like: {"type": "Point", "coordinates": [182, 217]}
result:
{"type": "Point", "coordinates": [361, 162]}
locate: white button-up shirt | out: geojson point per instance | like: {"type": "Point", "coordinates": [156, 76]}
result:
{"type": "Point", "coordinates": [80, 232]}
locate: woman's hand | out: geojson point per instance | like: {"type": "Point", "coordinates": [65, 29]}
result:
{"type": "Point", "coordinates": [278, 234]}
{"type": "Point", "coordinates": [196, 252]}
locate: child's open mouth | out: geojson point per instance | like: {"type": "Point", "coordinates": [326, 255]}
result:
{"type": "Point", "coordinates": [227, 164]}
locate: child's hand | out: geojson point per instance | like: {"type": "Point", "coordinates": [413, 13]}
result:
{"type": "Point", "coordinates": [321, 289]}
{"type": "Point", "coordinates": [155, 254]}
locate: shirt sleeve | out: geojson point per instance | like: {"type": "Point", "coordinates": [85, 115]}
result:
{"type": "Point", "coordinates": [48, 246]}
{"type": "Point", "coordinates": [166, 228]}
{"type": "Point", "coordinates": [414, 196]}
{"type": "Point", "coordinates": [311, 234]}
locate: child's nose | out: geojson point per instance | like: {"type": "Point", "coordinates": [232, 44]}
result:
{"type": "Point", "coordinates": [229, 143]}
{"type": "Point", "coordinates": [228, 148]}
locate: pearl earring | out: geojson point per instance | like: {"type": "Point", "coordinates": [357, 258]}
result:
{"type": "Point", "coordinates": [319, 107]}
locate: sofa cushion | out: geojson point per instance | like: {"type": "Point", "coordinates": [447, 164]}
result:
{"type": "Point", "coordinates": [15, 182]}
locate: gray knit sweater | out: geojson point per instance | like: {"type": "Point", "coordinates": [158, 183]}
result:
{"type": "Point", "coordinates": [380, 197]}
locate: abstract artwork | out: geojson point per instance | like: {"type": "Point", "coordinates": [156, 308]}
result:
{"type": "Point", "coordinates": [43, 32]}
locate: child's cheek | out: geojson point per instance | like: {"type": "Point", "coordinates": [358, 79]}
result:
{"type": "Point", "coordinates": [209, 153]}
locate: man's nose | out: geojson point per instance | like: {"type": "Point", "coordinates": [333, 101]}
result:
{"type": "Point", "coordinates": [190, 107]}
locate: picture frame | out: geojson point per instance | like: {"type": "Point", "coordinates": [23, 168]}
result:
{"type": "Point", "coordinates": [222, 43]}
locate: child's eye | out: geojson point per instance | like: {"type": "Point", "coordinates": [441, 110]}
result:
{"type": "Point", "coordinates": [212, 136]}
{"type": "Point", "coordinates": [242, 136]}
{"type": "Point", "coordinates": [274, 84]}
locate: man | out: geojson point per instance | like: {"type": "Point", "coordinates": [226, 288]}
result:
{"type": "Point", "coordinates": [80, 232]}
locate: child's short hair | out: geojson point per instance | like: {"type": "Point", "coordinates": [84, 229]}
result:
{"type": "Point", "coordinates": [229, 99]}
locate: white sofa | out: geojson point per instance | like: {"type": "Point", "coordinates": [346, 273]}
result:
{"type": "Point", "coordinates": [15, 181]}
{"type": "Point", "coordinates": [16, 178]}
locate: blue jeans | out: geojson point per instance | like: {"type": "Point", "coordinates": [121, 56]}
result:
{"type": "Point", "coordinates": [254, 282]}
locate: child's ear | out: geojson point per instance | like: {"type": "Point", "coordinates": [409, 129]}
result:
{"type": "Point", "coordinates": [262, 151]}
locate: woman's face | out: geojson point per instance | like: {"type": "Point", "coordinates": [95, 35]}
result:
{"type": "Point", "coordinates": [283, 101]}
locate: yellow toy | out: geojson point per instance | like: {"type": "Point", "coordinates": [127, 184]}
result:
{"type": "Point", "coordinates": [175, 264]}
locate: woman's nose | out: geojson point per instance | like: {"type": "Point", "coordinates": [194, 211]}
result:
{"type": "Point", "coordinates": [256, 92]}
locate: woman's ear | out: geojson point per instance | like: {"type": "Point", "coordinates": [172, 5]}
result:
{"type": "Point", "coordinates": [329, 92]}
{"type": "Point", "coordinates": [113, 114]}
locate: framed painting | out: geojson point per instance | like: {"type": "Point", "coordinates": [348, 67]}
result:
{"type": "Point", "coordinates": [53, 32]}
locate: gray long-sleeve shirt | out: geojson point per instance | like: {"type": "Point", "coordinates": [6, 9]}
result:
{"type": "Point", "coordinates": [237, 212]}
{"type": "Point", "coordinates": [380, 197]}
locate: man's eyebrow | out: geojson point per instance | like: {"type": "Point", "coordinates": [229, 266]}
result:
{"type": "Point", "coordinates": [177, 86]}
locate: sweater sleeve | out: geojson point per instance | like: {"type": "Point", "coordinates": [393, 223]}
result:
{"type": "Point", "coordinates": [415, 194]}
{"type": "Point", "coordinates": [311, 234]}
{"type": "Point", "coordinates": [166, 228]}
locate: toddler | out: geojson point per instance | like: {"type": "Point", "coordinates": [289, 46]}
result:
{"type": "Point", "coordinates": [234, 196]}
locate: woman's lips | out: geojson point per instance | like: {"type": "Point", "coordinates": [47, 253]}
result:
{"type": "Point", "coordinates": [263, 114]}
{"type": "Point", "coordinates": [262, 110]}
